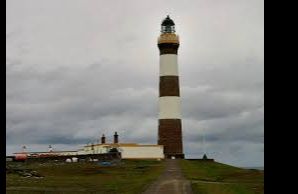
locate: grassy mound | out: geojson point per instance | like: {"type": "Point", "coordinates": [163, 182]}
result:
{"type": "Point", "coordinates": [129, 177]}
{"type": "Point", "coordinates": [213, 177]}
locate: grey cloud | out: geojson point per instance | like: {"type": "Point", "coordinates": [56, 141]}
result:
{"type": "Point", "coordinates": [76, 70]}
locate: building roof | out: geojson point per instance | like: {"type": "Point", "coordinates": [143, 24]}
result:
{"type": "Point", "coordinates": [126, 145]}
{"type": "Point", "coordinates": [168, 21]}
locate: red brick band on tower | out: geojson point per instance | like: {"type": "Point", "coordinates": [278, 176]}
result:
{"type": "Point", "coordinates": [170, 135]}
{"type": "Point", "coordinates": [168, 48]}
{"type": "Point", "coordinates": [169, 86]}
{"type": "Point", "coordinates": [169, 124]}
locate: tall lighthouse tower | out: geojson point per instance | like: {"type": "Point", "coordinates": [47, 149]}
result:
{"type": "Point", "coordinates": [169, 124]}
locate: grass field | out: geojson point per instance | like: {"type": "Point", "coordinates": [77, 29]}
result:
{"type": "Point", "coordinates": [130, 177]}
{"type": "Point", "coordinates": [216, 178]}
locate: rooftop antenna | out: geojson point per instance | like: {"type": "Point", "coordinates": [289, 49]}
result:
{"type": "Point", "coordinates": [24, 148]}
{"type": "Point", "coordinates": [50, 148]}
{"type": "Point", "coordinates": [204, 146]}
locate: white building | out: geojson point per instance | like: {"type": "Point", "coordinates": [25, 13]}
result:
{"type": "Point", "coordinates": [128, 150]}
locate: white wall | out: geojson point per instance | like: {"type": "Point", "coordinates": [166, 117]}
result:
{"type": "Point", "coordinates": [142, 152]}
{"type": "Point", "coordinates": [97, 149]}
{"type": "Point", "coordinates": [168, 65]}
{"type": "Point", "coordinates": [68, 153]}
{"type": "Point", "coordinates": [127, 152]}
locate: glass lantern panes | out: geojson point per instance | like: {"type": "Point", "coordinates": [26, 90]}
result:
{"type": "Point", "coordinates": [167, 29]}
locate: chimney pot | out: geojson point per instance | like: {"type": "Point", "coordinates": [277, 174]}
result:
{"type": "Point", "coordinates": [116, 138]}
{"type": "Point", "coordinates": [103, 139]}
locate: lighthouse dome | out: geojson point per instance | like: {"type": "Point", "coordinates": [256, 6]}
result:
{"type": "Point", "coordinates": [168, 21]}
{"type": "Point", "coordinates": [168, 25]}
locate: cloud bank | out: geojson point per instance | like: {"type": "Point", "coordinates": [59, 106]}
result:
{"type": "Point", "coordinates": [77, 69]}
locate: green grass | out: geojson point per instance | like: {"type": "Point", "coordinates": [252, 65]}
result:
{"type": "Point", "coordinates": [213, 177]}
{"type": "Point", "coordinates": [204, 188]}
{"type": "Point", "coordinates": [131, 177]}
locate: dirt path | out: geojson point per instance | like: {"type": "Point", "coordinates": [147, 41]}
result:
{"type": "Point", "coordinates": [171, 181]}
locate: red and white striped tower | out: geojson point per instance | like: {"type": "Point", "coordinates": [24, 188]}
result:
{"type": "Point", "coordinates": [169, 125]}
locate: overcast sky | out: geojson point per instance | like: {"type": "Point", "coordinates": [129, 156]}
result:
{"type": "Point", "coordinates": [76, 69]}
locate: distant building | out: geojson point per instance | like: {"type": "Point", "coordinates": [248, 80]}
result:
{"type": "Point", "coordinates": [127, 150]}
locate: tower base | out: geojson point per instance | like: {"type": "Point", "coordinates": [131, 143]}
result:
{"type": "Point", "coordinates": [174, 156]}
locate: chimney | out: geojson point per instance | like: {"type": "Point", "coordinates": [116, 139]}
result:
{"type": "Point", "coordinates": [115, 138]}
{"type": "Point", "coordinates": [103, 139]}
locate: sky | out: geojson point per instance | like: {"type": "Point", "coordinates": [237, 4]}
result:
{"type": "Point", "coordinates": [77, 69]}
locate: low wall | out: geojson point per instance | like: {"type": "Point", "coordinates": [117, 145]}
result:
{"type": "Point", "coordinates": [87, 157]}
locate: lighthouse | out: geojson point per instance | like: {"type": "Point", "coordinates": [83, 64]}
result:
{"type": "Point", "coordinates": [169, 123]}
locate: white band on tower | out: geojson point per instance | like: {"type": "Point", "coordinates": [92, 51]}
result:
{"type": "Point", "coordinates": [168, 65]}
{"type": "Point", "coordinates": [169, 107]}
